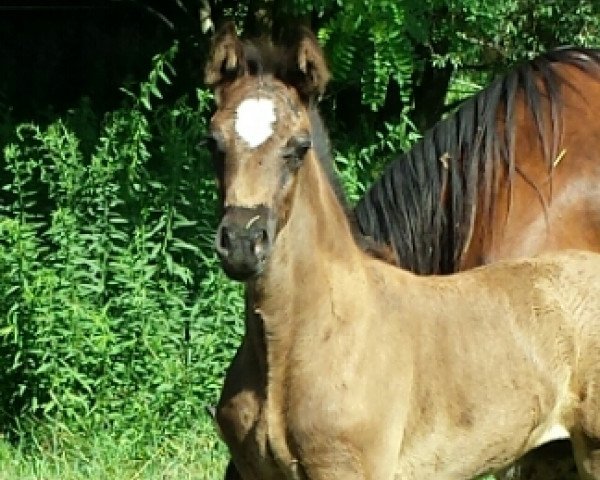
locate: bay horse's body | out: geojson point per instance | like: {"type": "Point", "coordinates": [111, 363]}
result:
{"type": "Point", "coordinates": [514, 172]}
{"type": "Point", "coordinates": [243, 411]}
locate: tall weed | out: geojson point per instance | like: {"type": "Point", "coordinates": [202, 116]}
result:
{"type": "Point", "coordinates": [113, 313]}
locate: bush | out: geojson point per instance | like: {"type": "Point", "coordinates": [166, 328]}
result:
{"type": "Point", "coordinates": [114, 313]}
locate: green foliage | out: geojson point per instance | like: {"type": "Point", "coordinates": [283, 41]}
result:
{"type": "Point", "coordinates": [410, 43]}
{"type": "Point", "coordinates": [364, 49]}
{"type": "Point", "coordinates": [116, 313]}
{"type": "Point", "coordinates": [360, 163]}
{"type": "Point", "coordinates": [394, 60]}
{"type": "Point", "coordinates": [497, 33]}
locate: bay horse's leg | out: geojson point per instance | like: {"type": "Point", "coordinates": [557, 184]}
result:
{"type": "Point", "coordinates": [231, 473]}
{"type": "Point", "coordinates": [587, 456]}
{"type": "Point", "coordinates": [548, 462]}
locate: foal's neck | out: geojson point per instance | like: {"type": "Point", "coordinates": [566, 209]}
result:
{"type": "Point", "coordinates": [302, 297]}
{"type": "Point", "coordinates": [314, 246]}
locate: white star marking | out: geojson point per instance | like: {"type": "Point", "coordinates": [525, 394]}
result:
{"type": "Point", "coordinates": [254, 120]}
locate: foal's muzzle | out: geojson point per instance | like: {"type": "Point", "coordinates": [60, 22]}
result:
{"type": "Point", "coordinates": [244, 240]}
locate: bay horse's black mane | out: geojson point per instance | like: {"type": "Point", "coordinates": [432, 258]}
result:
{"type": "Point", "coordinates": [425, 202]}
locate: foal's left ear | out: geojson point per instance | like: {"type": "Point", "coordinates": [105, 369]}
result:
{"type": "Point", "coordinates": [307, 68]}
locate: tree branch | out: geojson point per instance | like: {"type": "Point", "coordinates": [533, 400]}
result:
{"type": "Point", "coordinates": [151, 11]}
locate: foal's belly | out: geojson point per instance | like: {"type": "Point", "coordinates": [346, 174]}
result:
{"type": "Point", "coordinates": [499, 432]}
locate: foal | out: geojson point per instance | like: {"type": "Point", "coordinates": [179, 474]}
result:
{"type": "Point", "coordinates": [360, 370]}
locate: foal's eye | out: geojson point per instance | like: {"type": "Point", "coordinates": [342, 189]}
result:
{"type": "Point", "coordinates": [295, 150]}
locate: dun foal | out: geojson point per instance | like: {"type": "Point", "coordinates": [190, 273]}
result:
{"type": "Point", "coordinates": [358, 369]}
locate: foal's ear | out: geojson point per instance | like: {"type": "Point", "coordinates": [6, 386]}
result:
{"type": "Point", "coordinates": [307, 67]}
{"type": "Point", "coordinates": [226, 58]}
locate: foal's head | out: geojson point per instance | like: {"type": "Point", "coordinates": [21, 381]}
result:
{"type": "Point", "coordinates": [261, 133]}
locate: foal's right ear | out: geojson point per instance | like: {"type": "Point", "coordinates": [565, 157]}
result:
{"type": "Point", "coordinates": [226, 59]}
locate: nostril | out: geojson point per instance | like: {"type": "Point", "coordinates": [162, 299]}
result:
{"type": "Point", "coordinates": [223, 240]}
{"type": "Point", "coordinates": [261, 242]}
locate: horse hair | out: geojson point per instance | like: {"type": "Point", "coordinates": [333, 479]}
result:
{"type": "Point", "coordinates": [425, 203]}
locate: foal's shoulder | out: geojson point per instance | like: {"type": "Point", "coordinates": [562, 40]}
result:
{"type": "Point", "coordinates": [577, 267]}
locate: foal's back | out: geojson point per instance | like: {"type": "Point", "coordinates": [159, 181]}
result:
{"type": "Point", "coordinates": [506, 357]}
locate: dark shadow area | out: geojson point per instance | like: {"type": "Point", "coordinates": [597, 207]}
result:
{"type": "Point", "coordinates": [54, 52]}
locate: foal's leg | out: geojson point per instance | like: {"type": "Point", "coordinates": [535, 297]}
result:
{"type": "Point", "coordinates": [336, 472]}
{"type": "Point", "coordinates": [340, 464]}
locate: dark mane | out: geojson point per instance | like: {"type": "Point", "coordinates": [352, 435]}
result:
{"type": "Point", "coordinates": [425, 203]}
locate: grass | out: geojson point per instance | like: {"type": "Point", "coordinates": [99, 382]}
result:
{"type": "Point", "coordinates": [194, 455]}
{"type": "Point", "coordinates": [197, 455]}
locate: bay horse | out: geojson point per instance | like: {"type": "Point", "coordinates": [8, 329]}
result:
{"type": "Point", "coordinates": [514, 172]}
{"type": "Point", "coordinates": [370, 371]}
{"type": "Point", "coordinates": [429, 217]}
